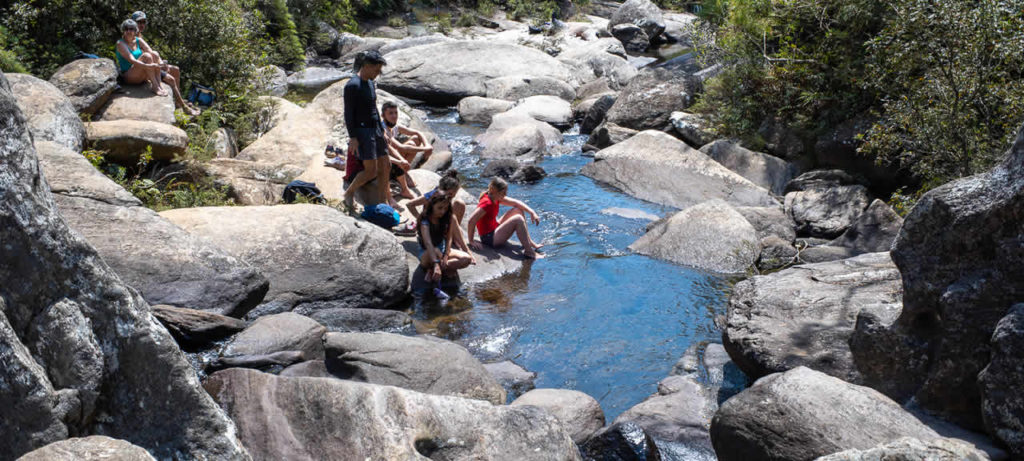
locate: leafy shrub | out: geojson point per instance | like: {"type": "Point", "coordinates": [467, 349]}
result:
{"type": "Point", "coordinates": [286, 49]}
{"type": "Point", "coordinates": [161, 193]}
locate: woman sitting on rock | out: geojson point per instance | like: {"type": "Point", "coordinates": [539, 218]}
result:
{"type": "Point", "coordinates": [437, 227]}
{"type": "Point", "coordinates": [449, 187]}
{"type": "Point", "coordinates": [495, 232]}
{"type": "Point", "coordinates": [138, 64]}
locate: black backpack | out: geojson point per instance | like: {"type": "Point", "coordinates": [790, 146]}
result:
{"type": "Point", "coordinates": [303, 188]}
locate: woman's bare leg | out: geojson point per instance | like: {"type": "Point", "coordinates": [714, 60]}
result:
{"type": "Point", "coordinates": [154, 74]}
{"type": "Point", "coordinates": [456, 260]}
{"type": "Point", "coordinates": [515, 224]}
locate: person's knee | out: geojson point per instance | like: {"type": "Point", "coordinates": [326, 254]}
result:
{"type": "Point", "coordinates": [458, 207]}
{"type": "Point", "coordinates": [147, 58]}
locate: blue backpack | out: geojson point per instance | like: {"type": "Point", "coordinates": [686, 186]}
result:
{"type": "Point", "coordinates": [202, 95]}
{"type": "Point", "coordinates": [382, 215]}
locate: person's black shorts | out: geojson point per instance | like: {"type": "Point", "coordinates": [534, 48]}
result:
{"type": "Point", "coordinates": [396, 171]}
{"type": "Point", "coordinates": [371, 145]}
{"type": "Point", "coordinates": [488, 239]}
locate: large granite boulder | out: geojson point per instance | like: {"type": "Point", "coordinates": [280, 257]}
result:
{"type": "Point", "coordinates": [512, 135]}
{"type": "Point", "coordinates": [651, 97]}
{"type": "Point", "coordinates": [769, 221]}
{"type": "Point", "coordinates": [48, 112]}
{"type": "Point", "coordinates": [448, 71]}
{"type": "Point", "coordinates": [803, 414]}
{"type": "Point", "coordinates": [516, 87]}
{"type": "Point", "coordinates": [88, 83]}
{"type": "Point", "coordinates": [805, 315]}
{"type": "Point", "coordinates": [312, 80]}
{"type": "Point", "coordinates": [692, 129]}
{"type": "Point", "coordinates": [410, 42]}
{"type": "Point", "coordinates": [422, 363]}
{"type": "Point", "coordinates": [273, 80]}
{"type": "Point", "coordinates": [633, 38]}
{"type": "Point", "coordinates": [911, 449]}
{"type": "Point", "coordinates": [621, 442]}
{"type": "Point", "coordinates": [679, 414]}
{"type": "Point", "coordinates": [81, 354]}
{"type": "Point", "coordinates": [874, 230]}
{"type": "Point", "coordinates": [826, 211]}
{"type": "Point", "coordinates": [286, 331]}
{"type": "Point", "coordinates": [579, 413]}
{"type": "Point", "coordinates": [139, 102]}
{"type": "Point", "coordinates": [196, 329]}
{"type": "Point", "coordinates": [316, 418]}
{"type": "Point", "coordinates": [273, 111]}
{"type": "Point", "coordinates": [601, 58]}
{"type": "Point", "coordinates": [711, 236]}
{"type": "Point", "coordinates": [769, 172]}
{"type": "Point", "coordinates": [1002, 402]}
{"type": "Point", "coordinates": [642, 13]}
{"type": "Point", "coordinates": [126, 140]}
{"type": "Point", "coordinates": [165, 263]}
{"type": "Point", "coordinates": [94, 447]}
{"type": "Point", "coordinates": [656, 167]}
{"type": "Point", "coordinates": [548, 109]}
{"type": "Point", "coordinates": [477, 109]}
{"type": "Point", "coordinates": [310, 253]}
{"type": "Point", "coordinates": [597, 112]}
{"type": "Point", "coordinates": [961, 253]}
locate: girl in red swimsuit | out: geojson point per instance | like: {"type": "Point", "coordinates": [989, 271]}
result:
{"type": "Point", "coordinates": [495, 232]}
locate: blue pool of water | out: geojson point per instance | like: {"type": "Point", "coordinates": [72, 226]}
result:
{"type": "Point", "coordinates": [591, 316]}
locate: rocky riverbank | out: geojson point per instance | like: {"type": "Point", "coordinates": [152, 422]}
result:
{"type": "Point", "coordinates": [267, 331]}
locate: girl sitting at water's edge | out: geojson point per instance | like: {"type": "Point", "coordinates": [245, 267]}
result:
{"type": "Point", "coordinates": [449, 186]}
{"type": "Point", "coordinates": [437, 228]}
{"type": "Point", "coordinates": [495, 232]}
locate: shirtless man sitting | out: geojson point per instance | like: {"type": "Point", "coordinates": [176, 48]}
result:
{"type": "Point", "coordinates": [416, 142]}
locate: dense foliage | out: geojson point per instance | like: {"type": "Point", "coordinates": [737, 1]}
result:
{"type": "Point", "coordinates": [941, 81]}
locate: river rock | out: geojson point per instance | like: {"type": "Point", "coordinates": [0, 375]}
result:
{"type": "Point", "coordinates": [804, 414]}
{"type": "Point", "coordinates": [656, 167]}
{"type": "Point", "coordinates": [632, 37]}
{"type": "Point", "coordinates": [597, 113]}
{"type": "Point", "coordinates": [515, 379]}
{"type": "Point", "coordinates": [224, 143]}
{"type": "Point", "coordinates": [88, 83]}
{"type": "Point", "coordinates": [650, 99]}
{"type": "Point", "coordinates": [820, 179]}
{"type": "Point", "coordinates": [593, 88]}
{"type": "Point", "coordinates": [423, 364]}
{"type": "Point", "coordinates": [315, 418]}
{"type": "Point", "coordinates": [308, 252]}
{"type": "Point", "coordinates": [781, 140]}
{"type": "Point", "coordinates": [273, 80]}
{"type": "Point", "coordinates": [49, 114]}
{"type": "Point", "coordinates": [194, 328]}
{"type": "Point", "coordinates": [599, 58]}
{"type": "Point", "coordinates": [1002, 403]}
{"type": "Point", "coordinates": [286, 331]}
{"type": "Point", "coordinates": [516, 87]}
{"type": "Point", "coordinates": [476, 109]}
{"type": "Point", "coordinates": [94, 447]}
{"type": "Point", "coordinates": [621, 442]}
{"type": "Point", "coordinates": [874, 230]}
{"type": "Point", "coordinates": [59, 297]}
{"type": "Point", "coordinates": [125, 140]}
{"type": "Point", "coordinates": [710, 236]}
{"type": "Point", "coordinates": [960, 254]}
{"type": "Point", "coordinates": [776, 253]}
{"type": "Point", "coordinates": [908, 449]}
{"type": "Point", "coordinates": [769, 172]}
{"type": "Point", "coordinates": [273, 362]}
{"type": "Point", "coordinates": [315, 79]}
{"type": "Point", "coordinates": [826, 212]}
{"type": "Point", "coordinates": [528, 174]}
{"type": "Point", "coordinates": [446, 72]}
{"type": "Point", "coordinates": [805, 315]}
{"type": "Point", "coordinates": [138, 102]}
{"type": "Point", "coordinates": [691, 128]}
{"type": "Point", "coordinates": [642, 13]}
{"type": "Point", "coordinates": [609, 134]}
{"type": "Point", "coordinates": [579, 413]}
{"type": "Point", "coordinates": [548, 109]}
{"type": "Point", "coordinates": [514, 135]}
{"type": "Point", "coordinates": [343, 320]}
{"type": "Point", "coordinates": [679, 415]}
{"type": "Point", "coordinates": [769, 221]}
{"type": "Point", "coordinates": [165, 263]}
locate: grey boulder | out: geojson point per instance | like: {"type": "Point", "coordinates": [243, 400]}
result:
{"type": "Point", "coordinates": [195, 329]}
{"type": "Point", "coordinates": [771, 221]}
{"type": "Point", "coordinates": [692, 129]}
{"type": "Point", "coordinates": [642, 13]}
{"type": "Point", "coordinates": [769, 172]}
{"type": "Point", "coordinates": [286, 331]}
{"type": "Point", "coordinates": [88, 83]}
{"type": "Point", "coordinates": [651, 97]}
{"type": "Point", "coordinates": [515, 379]}
{"type": "Point", "coordinates": [516, 87]}
{"type": "Point", "coordinates": [48, 112]}
{"type": "Point", "coordinates": [139, 102]}
{"type": "Point", "coordinates": [423, 364]}
{"type": "Point", "coordinates": [656, 167]}
{"type": "Point", "coordinates": [343, 319]}
{"type": "Point", "coordinates": [805, 315]}
{"type": "Point", "coordinates": [679, 414]}
{"type": "Point", "coordinates": [632, 37]}
{"type": "Point", "coordinates": [273, 80]}
{"type": "Point", "coordinates": [579, 413]}
{"type": "Point", "coordinates": [314, 79]}
{"type": "Point", "coordinates": [1002, 402]}
{"type": "Point", "coordinates": [477, 109]}
{"type": "Point", "coordinates": [512, 135]}
{"type": "Point", "coordinates": [126, 140]}
{"type": "Point", "coordinates": [597, 112]}
{"type": "Point", "coordinates": [549, 109]}
{"type": "Point", "coordinates": [911, 449]}
{"type": "Point", "coordinates": [874, 230]}
{"type": "Point", "coordinates": [310, 253]}
{"type": "Point", "coordinates": [94, 447]}
{"type": "Point", "coordinates": [316, 418]}
{"type": "Point", "coordinates": [710, 236]}
{"type": "Point", "coordinates": [828, 211]}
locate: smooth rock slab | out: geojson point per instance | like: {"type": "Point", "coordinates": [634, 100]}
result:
{"type": "Point", "coordinates": [804, 414]}
{"type": "Point", "coordinates": [516, 87]}
{"type": "Point", "coordinates": [139, 102]}
{"type": "Point", "coordinates": [805, 315]}
{"type": "Point", "coordinates": [196, 328]}
{"type": "Point", "coordinates": [656, 167]}
{"type": "Point", "coordinates": [277, 333]}
{"type": "Point", "coordinates": [309, 253]}
{"type": "Point", "coordinates": [911, 449]}
{"type": "Point", "coordinates": [48, 112]}
{"type": "Point", "coordinates": [579, 413]}
{"type": "Point", "coordinates": [711, 236]}
{"type": "Point", "coordinates": [165, 263]}
{"type": "Point", "coordinates": [88, 83]}
{"type": "Point", "coordinates": [126, 140]}
{"type": "Point", "coordinates": [423, 364]}
{"type": "Point", "coordinates": [316, 418]}
{"type": "Point", "coordinates": [92, 448]}
{"type": "Point", "coordinates": [548, 109]}
{"type": "Point", "coordinates": [769, 172]}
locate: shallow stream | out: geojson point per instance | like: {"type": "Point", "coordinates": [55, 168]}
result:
{"type": "Point", "coordinates": [591, 316]}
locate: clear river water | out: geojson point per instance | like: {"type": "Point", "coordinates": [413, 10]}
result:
{"type": "Point", "coordinates": [591, 316]}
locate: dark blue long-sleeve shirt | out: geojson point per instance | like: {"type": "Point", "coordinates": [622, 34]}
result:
{"type": "Point", "coordinates": [361, 105]}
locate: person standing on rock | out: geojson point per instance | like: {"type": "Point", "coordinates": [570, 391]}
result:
{"type": "Point", "coordinates": [495, 232]}
{"type": "Point", "coordinates": [365, 131]}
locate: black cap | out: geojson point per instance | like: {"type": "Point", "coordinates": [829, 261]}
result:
{"type": "Point", "coordinates": [372, 57]}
